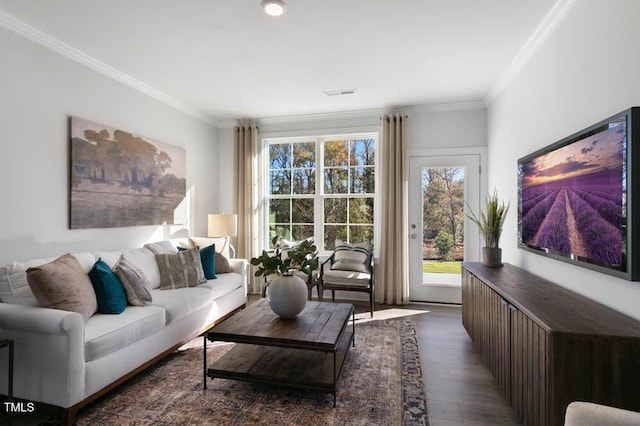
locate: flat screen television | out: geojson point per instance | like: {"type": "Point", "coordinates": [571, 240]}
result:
{"type": "Point", "coordinates": [576, 198]}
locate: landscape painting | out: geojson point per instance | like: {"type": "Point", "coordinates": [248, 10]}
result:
{"type": "Point", "coordinates": [573, 199]}
{"type": "Point", "coordinates": [121, 179]}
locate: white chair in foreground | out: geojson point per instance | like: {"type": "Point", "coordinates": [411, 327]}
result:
{"type": "Point", "coordinates": [590, 414]}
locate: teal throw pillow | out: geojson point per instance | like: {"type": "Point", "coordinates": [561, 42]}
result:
{"type": "Point", "coordinates": [110, 293]}
{"type": "Point", "coordinates": [208, 259]}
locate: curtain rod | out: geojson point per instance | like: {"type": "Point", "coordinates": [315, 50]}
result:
{"type": "Point", "coordinates": [388, 117]}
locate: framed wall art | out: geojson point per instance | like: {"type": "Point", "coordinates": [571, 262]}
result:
{"type": "Point", "coordinates": [121, 179]}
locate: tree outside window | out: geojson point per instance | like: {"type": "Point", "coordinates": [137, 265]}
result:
{"type": "Point", "coordinates": [342, 186]}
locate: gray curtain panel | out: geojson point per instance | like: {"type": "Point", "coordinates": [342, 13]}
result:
{"type": "Point", "coordinates": [392, 280]}
{"type": "Point", "coordinates": [246, 142]}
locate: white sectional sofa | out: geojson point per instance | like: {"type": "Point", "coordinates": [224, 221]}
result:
{"type": "Point", "coordinates": [62, 361]}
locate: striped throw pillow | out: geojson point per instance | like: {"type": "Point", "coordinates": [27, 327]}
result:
{"type": "Point", "coordinates": [183, 269]}
{"type": "Point", "coordinates": [351, 257]}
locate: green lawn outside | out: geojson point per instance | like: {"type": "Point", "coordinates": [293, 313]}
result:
{"type": "Point", "coordinates": [441, 267]}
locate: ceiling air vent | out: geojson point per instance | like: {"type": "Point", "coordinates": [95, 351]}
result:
{"type": "Point", "coordinates": [340, 92]}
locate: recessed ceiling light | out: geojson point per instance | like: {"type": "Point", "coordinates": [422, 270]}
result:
{"type": "Point", "coordinates": [273, 7]}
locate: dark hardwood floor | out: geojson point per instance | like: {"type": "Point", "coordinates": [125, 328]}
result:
{"type": "Point", "coordinates": [460, 389]}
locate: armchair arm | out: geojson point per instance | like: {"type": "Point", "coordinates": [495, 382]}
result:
{"type": "Point", "coordinates": [371, 263]}
{"type": "Point", "coordinates": [49, 354]}
{"type": "Point", "coordinates": [241, 266]}
{"type": "Point", "coordinates": [329, 260]}
{"type": "Point", "coordinates": [590, 414]}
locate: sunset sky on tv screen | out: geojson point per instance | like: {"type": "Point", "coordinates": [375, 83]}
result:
{"type": "Point", "coordinates": [572, 198]}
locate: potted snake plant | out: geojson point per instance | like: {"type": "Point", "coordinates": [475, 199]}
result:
{"type": "Point", "coordinates": [490, 224]}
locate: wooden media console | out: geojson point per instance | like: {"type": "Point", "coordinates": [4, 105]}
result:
{"type": "Point", "coordinates": [548, 346]}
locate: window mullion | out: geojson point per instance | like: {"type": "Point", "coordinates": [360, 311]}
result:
{"type": "Point", "coordinates": [318, 212]}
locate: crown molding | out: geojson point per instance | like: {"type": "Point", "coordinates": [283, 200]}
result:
{"type": "Point", "coordinates": [446, 107]}
{"type": "Point", "coordinates": [356, 114]}
{"type": "Point", "coordinates": [551, 20]}
{"type": "Point", "coordinates": [29, 32]}
{"type": "Point", "coordinates": [323, 116]}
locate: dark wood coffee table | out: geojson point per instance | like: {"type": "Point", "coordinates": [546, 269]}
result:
{"type": "Point", "coordinates": [307, 351]}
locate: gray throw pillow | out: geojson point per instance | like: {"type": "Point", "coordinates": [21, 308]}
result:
{"type": "Point", "coordinates": [63, 284]}
{"type": "Point", "coordinates": [222, 264]}
{"type": "Point", "coordinates": [135, 283]}
{"type": "Point", "coordinates": [183, 269]}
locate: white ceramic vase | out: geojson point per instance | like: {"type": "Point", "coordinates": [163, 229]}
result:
{"type": "Point", "coordinates": [287, 296]}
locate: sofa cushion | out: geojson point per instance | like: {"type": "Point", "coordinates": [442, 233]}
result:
{"type": "Point", "coordinates": [135, 283]}
{"type": "Point", "coordinates": [181, 302]}
{"type": "Point", "coordinates": [179, 270]}
{"type": "Point", "coordinates": [224, 284]}
{"type": "Point", "coordinates": [351, 278]}
{"type": "Point", "coordinates": [108, 288]}
{"type": "Point", "coordinates": [63, 284]}
{"type": "Point", "coordinates": [107, 333]}
{"type": "Point", "coordinates": [86, 260]}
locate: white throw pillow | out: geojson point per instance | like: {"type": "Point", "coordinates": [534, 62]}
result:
{"type": "Point", "coordinates": [14, 287]}
{"type": "Point", "coordinates": [161, 247]}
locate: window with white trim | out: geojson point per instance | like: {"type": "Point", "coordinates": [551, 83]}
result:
{"type": "Point", "coordinates": [321, 187]}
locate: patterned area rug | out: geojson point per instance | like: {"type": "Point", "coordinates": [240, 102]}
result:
{"type": "Point", "coordinates": [381, 384]}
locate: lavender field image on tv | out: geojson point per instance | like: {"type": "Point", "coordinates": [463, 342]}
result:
{"type": "Point", "coordinates": [572, 198]}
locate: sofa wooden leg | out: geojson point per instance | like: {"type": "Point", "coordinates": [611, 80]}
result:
{"type": "Point", "coordinates": [69, 415]}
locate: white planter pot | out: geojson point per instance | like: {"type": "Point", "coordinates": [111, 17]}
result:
{"type": "Point", "coordinates": [287, 296]}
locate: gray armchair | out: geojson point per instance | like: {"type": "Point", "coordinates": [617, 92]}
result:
{"type": "Point", "coordinates": [347, 275]}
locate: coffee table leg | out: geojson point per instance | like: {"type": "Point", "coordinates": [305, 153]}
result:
{"type": "Point", "coordinates": [335, 379]}
{"type": "Point", "coordinates": [204, 360]}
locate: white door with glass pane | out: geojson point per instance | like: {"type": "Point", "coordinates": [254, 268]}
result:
{"type": "Point", "coordinates": [441, 189]}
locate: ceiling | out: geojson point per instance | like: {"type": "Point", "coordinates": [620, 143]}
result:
{"type": "Point", "coordinates": [228, 60]}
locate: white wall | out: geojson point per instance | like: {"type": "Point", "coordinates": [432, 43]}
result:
{"type": "Point", "coordinates": [39, 89]}
{"type": "Point", "coordinates": [587, 70]}
{"type": "Point", "coordinates": [446, 127]}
